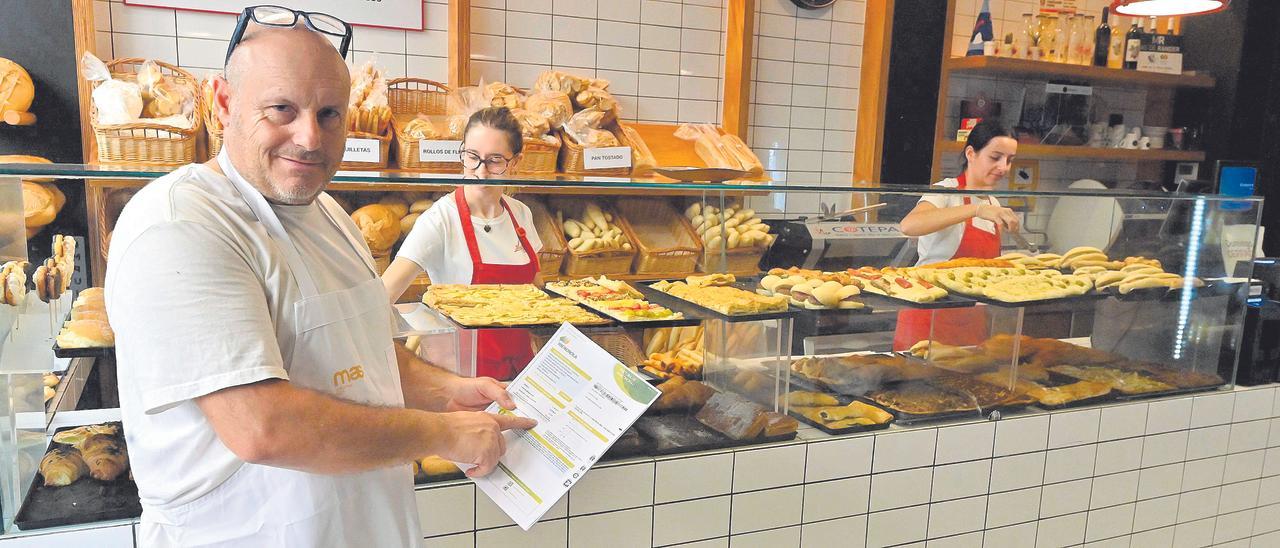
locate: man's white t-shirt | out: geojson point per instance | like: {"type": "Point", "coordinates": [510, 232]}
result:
{"type": "Point", "coordinates": [437, 245]}
{"type": "Point", "coordinates": [201, 299]}
{"type": "Point", "coordinates": [942, 245]}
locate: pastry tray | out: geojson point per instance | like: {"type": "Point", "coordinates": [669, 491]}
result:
{"type": "Point", "coordinates": [1058, 379]}
{"type": "Point", "coordinates": [606, 322]}
{"type": "Point", "coordinates": [94, 352]}
{"type": "Point", "coordinates": [687, 320]}
{"type": "Point", "coordinates": [1162, 393]}
{"type": "Point", "coordinates": [1212, 288]}
{"type": "Point", "coordinates": [1074, 299]}
{"type": "Point", "coordinates": [844, 400]}
{"type": "Point", "coordinates": [700, 436]}
{"type": "Point", "coordinates": [695, 310]}
{"type": "Point", "coordinates": [950, 301]}
{"type": "Point", "coordinates": [91, 352]}
{"type": "Point", "coordinates": [85, 501]}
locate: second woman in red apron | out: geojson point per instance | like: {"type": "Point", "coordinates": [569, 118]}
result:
{"type": "Point", "coordinates": [951, 226]}
{"type": "Point", "coordinates": [476, 235]}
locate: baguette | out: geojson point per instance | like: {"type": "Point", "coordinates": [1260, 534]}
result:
{"type": "Point", "coordinates": [742, 154]}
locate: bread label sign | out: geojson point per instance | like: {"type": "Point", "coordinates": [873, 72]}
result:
{"type": "Point", "coordinates": [439, 151]}
{"type": "Point", "coordinates": [363, 150]}
{"type": "Point", "coordinates": [606, 157]}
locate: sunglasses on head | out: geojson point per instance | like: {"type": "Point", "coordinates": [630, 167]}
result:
{"type": "Point", "coordinates": [281, 17]}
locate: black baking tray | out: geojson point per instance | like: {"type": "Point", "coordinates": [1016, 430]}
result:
{"type": "Point", "coordinates": [1058, 379]}
{"type": "Point", "coordinates": [1162, 393]}
{"type": "Point", "coordinates": [1212, 288]}
{"type": "Point", "coordinates": [692, 310]}
{"type": "Point", "coordinates": [844, 400]}
{"type": "Point", "coordinates": [950, 301]}
{"type": "Point", "coordinates": [96, 352]}
{"type": "Point", "coordinates": [686, 321]}
{"type": "Point", "coordinates": [1074, 299]}
{"type": "Point", "coordinates": [697, 436]}
{"type": "Point", "coordinates": [85, 501]}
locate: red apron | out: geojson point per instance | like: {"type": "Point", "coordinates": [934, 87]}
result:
{"type": "Point", "coordinates": [500, 353]}
{"type": "Point", "coordinates": [954, 326]}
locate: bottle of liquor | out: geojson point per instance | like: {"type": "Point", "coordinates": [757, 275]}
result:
{"type": "Point", "coordinates": [1102, 40]}
{"type": "Point", "coordinates": [1132, 45]}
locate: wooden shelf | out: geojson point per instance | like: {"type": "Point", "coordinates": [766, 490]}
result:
{"type": "Point", "coordinates": [1049, 152]}
{"type": "Point", "coordinates": [983, 65]}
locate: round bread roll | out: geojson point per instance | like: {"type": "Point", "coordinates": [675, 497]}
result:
{"type": "Point", "coordinates": [38, 205]}
{"type": "Point", "coordinates": [86, 334]}
{"type": "Point", "coordinates": [59, 199]}
{"type": "Point", "coordinates": [801, 292]}
{"type": "Point", "coordinates": [89, 314]}
{"type": "Point", "coordinates": [769, 283]}
{"type": "Point", "coordinates": [396, 203]}
{"type": "Point", "coordinates": [788, 283]}
{"type": "Point", "coordinates": [849, 297]}
{"type": "Point", "coordinates": [406, 223]}
{"type": "Point", "coordinates": [380, 226]}
{"type": "Point", "coordinates": [419, 206]}
{"type": "Point", "coordinates": [827, 295]}
{"type": "Point", "coordinates": [16, 89]}
{"type": "Point", "coordinates": [89, 297]}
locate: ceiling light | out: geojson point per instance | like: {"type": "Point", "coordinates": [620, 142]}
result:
{"type": "Point", "coordinates": [1165, 8]}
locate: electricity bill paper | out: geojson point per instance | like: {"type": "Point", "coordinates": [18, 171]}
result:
{"type": "Point", "coordinates": [583, 400]}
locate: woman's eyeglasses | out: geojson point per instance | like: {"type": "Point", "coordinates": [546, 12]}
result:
{"type": "Point", "coordinates": [496, 165]}
{"type": "Point", "coordinates": [277, 16]}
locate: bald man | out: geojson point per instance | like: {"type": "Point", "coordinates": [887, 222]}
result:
{"type": "Point", "coordinates": [264, 401]}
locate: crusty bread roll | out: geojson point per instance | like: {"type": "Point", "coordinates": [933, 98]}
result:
{"type": "Point", "coordinates": [422, 205]}
{"type": "Point", "coordinates": [86, 334]}
{"type": "Point", "coordinates": [90, 314]}
{"type": "Point", "coordinates": [406, 223]}
{"type": "Point", "coordinates": [380, 226]}
{"type": "Point", "coordinates": [396, 203]}
{"type": "Point", "coordinates": [17, 91]}
{"type": "Point", "coordinates": [38, 205]}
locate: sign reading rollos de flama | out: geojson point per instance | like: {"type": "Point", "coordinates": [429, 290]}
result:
{"type": "Point", "coordinates": [395, 14]}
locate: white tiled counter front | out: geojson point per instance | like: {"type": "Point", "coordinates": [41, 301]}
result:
{"type": "Point", "coordinates": [1199, 470]}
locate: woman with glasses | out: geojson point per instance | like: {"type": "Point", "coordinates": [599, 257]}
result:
{"type": "Point", "coordinates": [476, 235]}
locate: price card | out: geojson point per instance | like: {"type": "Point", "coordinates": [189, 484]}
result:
{"type": "Point", "coordinates": [439, 151]}
{"type": "Point", "coordinates": [606, 158]}
{"type": "Point", "coordinates": [363, 150]}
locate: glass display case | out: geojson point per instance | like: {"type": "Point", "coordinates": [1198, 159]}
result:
{"type": "Point", "coordinates": [802, 308]}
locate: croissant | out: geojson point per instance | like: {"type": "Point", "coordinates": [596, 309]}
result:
{"type": "Point", "coordinates": [76, 436]}
{"type": "Point", "coordinates": [106, 456]}
{"type": "Point", "coordinates": [62, 466]}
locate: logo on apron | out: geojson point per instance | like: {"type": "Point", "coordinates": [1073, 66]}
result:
{"type": "Point", "coordinates": [345, 377]}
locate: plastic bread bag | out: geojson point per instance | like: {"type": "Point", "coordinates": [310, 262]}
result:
{"type": "Point", "coordinates": [555, 106]}
{"type": "Point", "coordinates": [596, 98]}
{"type": "Point", "coordinates": [423, 128]}
{"type": "Point", "coordinates": [642, 159]}
{"type": "Point", "coordinates": [532, 124]}
{"type": "Point", "coordinates": [501, 94]}
{"type": "Point", "coordinates": [117, 101]}
{"type": "Point", "coordinates": [708, 146]}
{"type": "Point", "coordinates": [554, 80]}
{"type": "Point", "coordinates": [368, 87]}
{"type": "Point", "coordinates": [464, 101]}
{"type": "Point", "coordinates": [743, 154]}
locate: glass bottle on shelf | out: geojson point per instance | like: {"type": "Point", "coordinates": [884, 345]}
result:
{"type": "Point", "coordinates": [1035, 35]}
{"type": "Point", "coordinates": [1115, 54]}
{"type": "Point", "coordinates": [1071, 53]}
{"type": "Point", "coordinates": [1132, 45]}
{"type": "Point", "coordinates": [1087, 43]}
{"type": "Point", "coordinates": [1102, 40]}
{"type": "Point", "coordinates": [1022, 39]}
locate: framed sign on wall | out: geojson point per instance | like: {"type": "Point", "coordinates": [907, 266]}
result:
{"type": "Point", "coordinates": [392, 14]}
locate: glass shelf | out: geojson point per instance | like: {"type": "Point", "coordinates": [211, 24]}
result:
{"type": "Point", "coordinates": [560, 183]}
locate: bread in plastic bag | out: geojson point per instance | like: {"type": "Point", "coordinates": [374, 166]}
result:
{"type": "Point", "coordinates": [421, 128]}
{"type": "Point", "coordinates": [532, 124]}
{"type": "Point", "coordinates": [501, 94]}
{"type": "Point", "coordinates": [555, 106]}
{"type": "Point", "coordinates": [117, 101]}
{"type": "Point", "coordinates": [554, 80]}
{"type": "Point", "coordinates": [596, 98]}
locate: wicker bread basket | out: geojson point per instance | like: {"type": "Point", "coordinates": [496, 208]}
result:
{"type": "Point", "coordinates": [143, 143]}
{"type": "Point", "coordinates": [666, 247]}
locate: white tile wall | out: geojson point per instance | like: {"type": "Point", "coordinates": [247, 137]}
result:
{"type": "Point", "coordinates": [968, 442]}
{"type": "Point", "coordinates": [1108, 493]}
{"type": "Point", "coordinates": [806, 74]}
{"type": "Point", "coordinates": [664, 58]}
{"type": "Point", "coordinates": [197, 41]}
